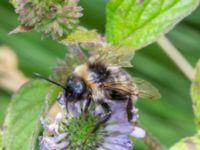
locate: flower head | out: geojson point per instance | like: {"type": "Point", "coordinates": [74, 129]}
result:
{"type": "Point", "coordinates": [52, 17]}
{"type": "Point", "coordinates": [74, 131]}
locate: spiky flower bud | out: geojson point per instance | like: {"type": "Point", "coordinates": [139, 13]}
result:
{"type": "Point", "coordinates": [56, 18]}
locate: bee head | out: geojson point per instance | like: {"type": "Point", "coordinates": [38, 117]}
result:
{"type": "Point", "coordinates": [75, 88]}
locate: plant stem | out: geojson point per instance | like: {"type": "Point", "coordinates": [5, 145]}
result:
{"type": "Point", "coordinates": [176, 57]}
{"type": "Point", "coordinates": [152, 143]}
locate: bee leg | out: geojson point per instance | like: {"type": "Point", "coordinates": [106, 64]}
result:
{"type": "Point", "coordinates": [104, 119]}
{"type": "Point", "coordinates": [87, 105]}
{"type": "Point", "coordinates": [66, 105]}
{"type": "Point", "coordinates": [129, 109]}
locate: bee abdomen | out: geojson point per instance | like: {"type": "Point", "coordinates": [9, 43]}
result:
{"type": "Point", "coordinates": [115, 95]}
{"type": "Point", "coordinates": [98, 72]}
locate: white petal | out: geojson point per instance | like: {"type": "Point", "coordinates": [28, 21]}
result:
{"type": "Point", "coordinates": [138, 132]}
{"type": "Point", "coordinates": [58, 118]}
{"type": "Point", "coordinates": [134, 110]}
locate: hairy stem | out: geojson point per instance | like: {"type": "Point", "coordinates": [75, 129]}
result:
{"type": "Point", "coordinates": [152, 143]}
{"type": "Point", "coordinates": [177, 57]}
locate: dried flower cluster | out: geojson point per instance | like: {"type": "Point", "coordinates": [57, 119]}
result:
{"type": "Point", "coordinates": [73, 131]}
{"type": "Point", "coordinates": [51, 17]}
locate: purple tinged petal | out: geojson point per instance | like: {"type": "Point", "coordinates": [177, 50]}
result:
{"type": "Point", "coordinates": [78, 107]}
{"type": "Point", "coordinates": [125, 128]}
{"type": "Point", "coordinates": [135, 118]}
{"type": "Point", "coordinates": [119, 113]}
{"type": "Point", "coordinates": [41, 144]}
{"type": "Point", "coordinates": [61, 99]}
{"type": "Point", "coordinates": [50, 143]}
{"type": "Point", "coordinates": [123, 140]}
{"type": "Point", "coordinates": [134, 110]}
{"type": "Point", "coordinates": [98, 110]}
{"type": "Point", "coordinates": [59, 137]}
{"type": "Point", "coordinates": [138, 132]}
{"type": "Point", "coordinates": [100, 148]}
{"type": "Point", "coordinates": [110, 146]}
{"type": "Point", "coordinates": [73, 110]}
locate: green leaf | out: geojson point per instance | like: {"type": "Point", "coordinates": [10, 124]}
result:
{"type": "Point", "coordinates": [81, 35]}
{"type": "Point", "coordinates": [195, 91]}
{"type": "Point", "coordinates": [190, 143]}
{"type": "Point", "coordinates": [22, 122]}
{"type": "Point", "coordinates": [14, 3]}
{"type": "Point", "coordinates": [1, 140]}
{"type": "Point", "coordinates": [137, 23]}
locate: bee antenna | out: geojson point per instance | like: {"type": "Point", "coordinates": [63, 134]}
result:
{"type": "Point", "coordinates": [44, 78]}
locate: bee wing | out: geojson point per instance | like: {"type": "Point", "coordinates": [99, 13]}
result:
{"type": "Point", "coordinates": [117, 55]}
{"type": "Point", "coordinates": [146, 89]}
{"type": "Point", "coordinates": [124, 87]}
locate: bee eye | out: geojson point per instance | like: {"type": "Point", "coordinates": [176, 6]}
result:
{"type": "Point", "coordinates": [75, 86]}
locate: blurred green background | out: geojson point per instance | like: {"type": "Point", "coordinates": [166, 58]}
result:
{"type": "Point", "coordinates": [169, 118]}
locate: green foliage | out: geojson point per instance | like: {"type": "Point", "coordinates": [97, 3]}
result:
{"type": "Point", "coordinates": [4, 101]}
{"type": "Point", "coordinates": [195, 91]}
{"type": "Point", "coordinates": [137, 23]}
{"type": "Point", "coordinates": [22, 123]}
{"type": "Point", "coordinates": [1, 140]}
{"type": "Point", "coordinates": [190, 143]}
{"type": "Point", "coordinates": [81, 35]}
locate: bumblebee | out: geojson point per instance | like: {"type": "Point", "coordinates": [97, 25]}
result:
{"type": "Point", "coordinates": [97, 81]}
